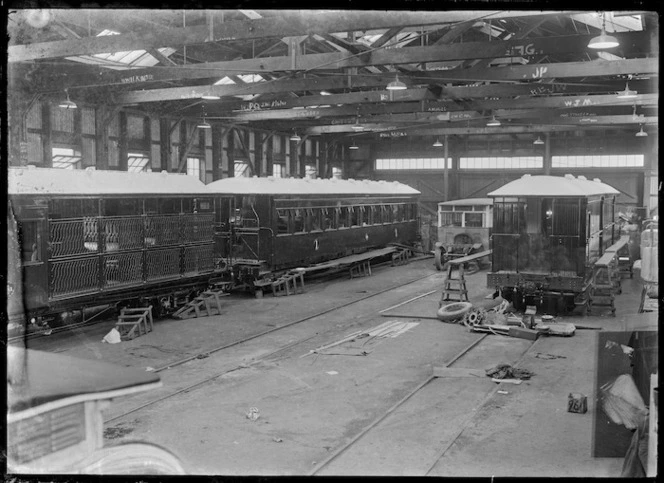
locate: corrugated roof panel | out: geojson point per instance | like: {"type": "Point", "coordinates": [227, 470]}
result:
{"type": "Point", "coordinates": [298, 186]}
{"type": "Point", "coordinates": [553, 186]}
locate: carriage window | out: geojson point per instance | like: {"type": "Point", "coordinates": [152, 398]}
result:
{"type": "Point", "coordinates": [72, 208]}
{"type": "Point", "coordinates": [203, 205]}
{"type": "Point", "coordinates": [474, 219]}
{"type": "Point", "coordinates": [534, 215]}
{"type": "Point", "coordinates": [30, 241]}
{"type": "Point", "coordinates": [508, 218]}
{"type": "Point", "coordinates": [342, 214]}
{"type": "Point", "coordinates": [316, 223]}
{"type": "Point", "coordinates": [364, 213]}
{"type": "Point", "coordinates": [122, 207]}
{"type": "Point", "coordinates": [297, 219]}
{"type": "Point", "coordinates": [169, 205]}
{"type": "Point", "coordinates": [450, 218]}
{"type": "Point", "coordinates": [354, 212]}
{"type": "Point", "coordinates": [328, 219]}
{"type": "Point", "coordinates": [282, 222]}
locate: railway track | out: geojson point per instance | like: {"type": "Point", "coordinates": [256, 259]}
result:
{"type": "Point", "coordinates": [375, 424]}
{"type": "Point", "coordinates": [263, 357]}
{"type": "Point", "coordinates": [326, 277]}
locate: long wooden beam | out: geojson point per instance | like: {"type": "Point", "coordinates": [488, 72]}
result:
{"type": "Point", "coordinates": [536, 72]}
{"type": "Point", "coordinates": [555, 102]}
{"type": "Point", "coordinates": [279, 86]}
{"type": "Point", "coordinates": [97, 76]}
{"type": "Point", "coordinates": [295, 23]}
{"type": "Point", "coordinates": [442, 101]}
{"type": "Point", "coordinates": [597, 68]}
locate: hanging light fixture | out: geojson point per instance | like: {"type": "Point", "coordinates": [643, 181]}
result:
{"type": "Point", "coordinates": [396, 85]}
{"type": "Point", "coordinates": [641, 133]}
{"type": "Point", "coordinates": [627, 93]}
{"type": "Point", "coordinates": [204, 124]}
{"type": "Point", "coordinates": [603, 41]}
{"type": "Point", "coordinates": [357, 126]}
{"type": "Point", "coordinates": [353, 146]}
{"type": "Point", "coordinates": [538, 140]}
{"type": "Point", "coordinates": [295, 137]}
{"type": "Point", "coordinates": [68, 104]}
{"type": "Point", "coordinates": [493, 122]}
{"type": "Point", "coordinates": [210, 97]}
{"type": "Point", "coordinates": [437, 144]}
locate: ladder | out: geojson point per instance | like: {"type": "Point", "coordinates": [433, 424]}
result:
{"type": "Point", "coordinates": [134, 322]}
{"type": "Point", "coordinates": [289, 283]}
{"type": "Point", "coordinates": [202, 305]}
{"type": "Point", "coordinates": [401, 257]}
{"type": "Point", "coordinates": [360, 269]}
{"type": "Point", "coordinates": [455, 286]}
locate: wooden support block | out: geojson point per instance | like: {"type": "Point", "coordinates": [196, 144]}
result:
{"type": "Point", "coordinates": [522, 333]}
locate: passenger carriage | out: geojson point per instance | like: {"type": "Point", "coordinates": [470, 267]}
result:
{"type": "Point", "coordinates": [265, 225]}
{"type": "Point", "coordinates": [101, 237]}
{"type": "Point", "coordinates": [464, 228]}
{"type": "Point", "coordinates": [548, 231]}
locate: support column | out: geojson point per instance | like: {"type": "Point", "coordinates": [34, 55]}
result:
{"type": "Point", "coordinates": [446, 175]}
{"type": "Point", "coordinates": [47, 147]}
{"type": "Point", "coordinates": [217, 150]}
{"type": "Point", "coordinates": [269, 155]}
{"type": "Point", "coordinates": [123, 142]}
{"type": "Point", "coordinates": [230, 154]}
{"type": "Point", "coordinates": [547, 153]}
{"type": "Point", "coordinates": [164, 144]}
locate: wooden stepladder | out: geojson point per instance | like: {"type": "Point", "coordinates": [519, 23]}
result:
{"type": "Point", "coordinates": [134, 322]}
{"type": "Point", "coordinates": [289, 283]}
{"type": "Point", "coordinates": [455, 286]}
{"type": "Point", "coordinates": [202, 305]}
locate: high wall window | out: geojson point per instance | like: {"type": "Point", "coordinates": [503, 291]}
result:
{"type": "Point", "coordinates": [66, 158]}
{"type": "Point", "coordinates": [600, 161]}
{"type": "Point", "coordinates": [310, 171]}
{"type": "Point", "coordinates": [278, 170]}
{"type": "Point", "coordinates": [194, 167]}
{"type": "Point", "coordinates": [412, 164]}
{"type": "Point", "coordinates": [511, 162]}
{"type": "Point", "coordinates": [137, 162]}
{"type": "Point", "coordinates": [241, 169]}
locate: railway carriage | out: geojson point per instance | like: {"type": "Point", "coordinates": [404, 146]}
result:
{"type": "Point", "coordinates": [548, 231]}
{"type": "Point", "coordinates": [464, 228]}
{"type": "Point", "coordinates": [265, 225]}
{"type": "Point", "coordinates": [101, 237]}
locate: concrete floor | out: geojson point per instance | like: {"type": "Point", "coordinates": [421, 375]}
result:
{"type": "Point", "coordinates": [312, 406]}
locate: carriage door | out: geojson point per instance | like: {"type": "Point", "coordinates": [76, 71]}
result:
{"type": "Point", "coordinates": [225, 208]}
{"type": "Point", "coordinates": [33, 236]}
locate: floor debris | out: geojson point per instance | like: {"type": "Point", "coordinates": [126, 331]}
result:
{"type": "Point", "coordinates": [253, 414]}
{"type": "Point", "coordinates": [540, 355]}
{"type": "Point", "coordinates": [506, 371]}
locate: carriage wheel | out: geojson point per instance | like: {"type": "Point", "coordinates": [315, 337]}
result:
{"type": "Point", "coordinates": [439, 257]}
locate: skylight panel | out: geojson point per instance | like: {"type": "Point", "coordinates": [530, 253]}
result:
{"type": "Point", "coordinates": [121, 60]}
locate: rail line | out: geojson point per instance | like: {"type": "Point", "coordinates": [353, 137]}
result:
{"type": "Point", "coordinates": [382, 417]}
{"type": "Point", "coordinates": [55, 330]}
{"type": "Point", "coordinates": [262, 357]}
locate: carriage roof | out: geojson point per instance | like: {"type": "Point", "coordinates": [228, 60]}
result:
{"type": "Point", "coordinates": [468, 201]}
{"type": "Point", "coordinates": [297, 186]}
{"type": "Point", "coordinates": [554, 186]}
{"type": "Point", "coordinates": [28, 180]}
